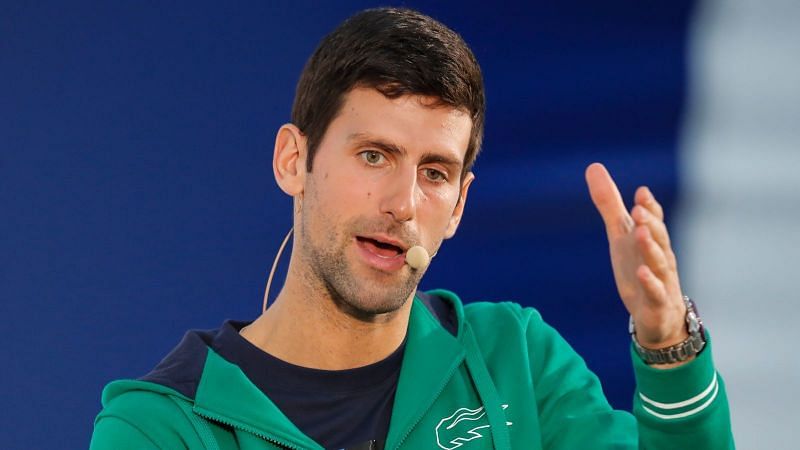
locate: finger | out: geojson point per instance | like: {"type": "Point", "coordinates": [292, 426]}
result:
{"type": "Point", "coordinates": [652, 254]}
{"type": "Point", "coordinates": [654, 288]}
{"type": "Point", "coordinates": [646, 198]}
{"type": "Point", "coordinates": [658, 231]}
{"type": "Point", "coordinates": [643, 216]}
{"type": "Point", "coordinates": [607, 200]}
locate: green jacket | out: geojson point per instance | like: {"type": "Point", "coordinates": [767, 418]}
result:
{"type": "Point", "coordinates": [506, 380]}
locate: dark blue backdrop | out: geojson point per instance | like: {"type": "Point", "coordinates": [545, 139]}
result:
{"type": "Point", "coordinates": [138, 198]}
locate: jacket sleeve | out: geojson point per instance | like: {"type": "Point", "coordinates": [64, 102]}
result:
{"type": "Point", "coordinates": [684, 407]}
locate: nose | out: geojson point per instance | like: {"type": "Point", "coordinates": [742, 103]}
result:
{"type": "Point", "coordinates": [400, 199]}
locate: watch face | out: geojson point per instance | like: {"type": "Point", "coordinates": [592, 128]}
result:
{"type": "Point", "coordinates": [691, 306]}
{"type": "Point", "coordinates": [694, 306]}
{"type": "Point", "coordinates": [693, 322]}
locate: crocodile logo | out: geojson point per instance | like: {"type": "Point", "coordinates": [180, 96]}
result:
{"type": "Point", "coordinates": [463, 426]}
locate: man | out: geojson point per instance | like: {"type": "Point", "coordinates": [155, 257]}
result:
{"type": "Point", "coordinates": [387, 121]}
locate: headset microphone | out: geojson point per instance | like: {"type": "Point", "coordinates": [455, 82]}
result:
{"type": "Point", "coordinates": [417, 257]}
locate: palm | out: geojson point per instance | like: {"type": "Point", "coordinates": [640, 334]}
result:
{"type": "Point", "coordinates": [644, 265]}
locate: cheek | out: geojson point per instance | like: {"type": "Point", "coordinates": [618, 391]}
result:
{"type": "Point", "coordinates": [335, 185]}
{"type": "Point", "coordinates": [341, 195]}
{"type": "Point", "coordinates": [437, 209]}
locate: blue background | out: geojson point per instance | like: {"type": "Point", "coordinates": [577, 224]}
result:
{"type": "Point", "coordinates": [137, 198]}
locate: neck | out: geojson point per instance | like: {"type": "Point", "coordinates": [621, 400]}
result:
{"type": "Point", "coordinates": [304, 327]}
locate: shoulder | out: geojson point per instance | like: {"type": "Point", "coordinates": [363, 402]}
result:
{"type": "Point", "coordinates": [492, 315]}
{"type": "Point", "coordinates": [497, 326]}
{"type": "Point", "coordinates": [508, 325]}
{"type": "Point", "coordinates": [149, 411]}
{"type": "Point", "coordinates": [497, 320]}
{"type": "Point", "coordinates": [137, 395]}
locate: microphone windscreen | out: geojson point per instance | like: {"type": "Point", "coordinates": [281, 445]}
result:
{"type": "Point", "coordinates": [417, 257]}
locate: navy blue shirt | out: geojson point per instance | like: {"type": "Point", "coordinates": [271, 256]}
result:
{"type": "Point", "coordinates": [339, 409]}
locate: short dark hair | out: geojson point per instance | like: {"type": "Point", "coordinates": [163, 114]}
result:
{"type": "Point", "coordinates": [398, 52]}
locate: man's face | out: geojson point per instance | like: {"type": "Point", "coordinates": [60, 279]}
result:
{"type": "Point", "coordinates": [386, 177]}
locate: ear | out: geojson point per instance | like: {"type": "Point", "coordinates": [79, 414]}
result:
{"type": "Point", "coordinates": [458, 211]}
{"type": "Point", "coordinates": [289, 160]}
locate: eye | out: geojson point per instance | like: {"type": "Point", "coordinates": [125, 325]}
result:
{"type": "Point", "coordinates": [435, 175]}
{"type": "Point", "coordinates": [372, 157]}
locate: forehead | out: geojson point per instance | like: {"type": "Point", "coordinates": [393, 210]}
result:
{"type": "Point", "coordinates": [417, 123]}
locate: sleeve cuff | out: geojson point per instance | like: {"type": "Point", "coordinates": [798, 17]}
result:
{"type": "Point", "coordinates": [678, 392]}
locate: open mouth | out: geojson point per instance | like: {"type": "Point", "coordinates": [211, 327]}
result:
{"type": "Point", "coordinates": [382, 249]}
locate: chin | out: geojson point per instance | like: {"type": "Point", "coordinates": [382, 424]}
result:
{"type": "Point", "coordinates": [357, 289]}
{"type": "Point", "coordinates": [368, 303]}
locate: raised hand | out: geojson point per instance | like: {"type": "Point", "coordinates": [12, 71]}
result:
{"type": "Point", "coordinates": [645, 268]}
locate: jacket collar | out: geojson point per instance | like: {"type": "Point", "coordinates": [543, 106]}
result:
{"type": "Point", "coordinates": [432, 356]}
{"type": "Point", "coordinates": [225, 394]}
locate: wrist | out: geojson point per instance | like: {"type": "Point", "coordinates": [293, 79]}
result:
{"type": "Point", "coordinates": [676, 337]}
{"type": "Point", "coordinates": [677, 350]}
{"type": "Point", "coordinates": [673, 365]}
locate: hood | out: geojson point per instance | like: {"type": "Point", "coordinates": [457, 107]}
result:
{"type": "Point", "coordinates": [438, 342]}
{"type": "Point", "coordinates": [182, 368]}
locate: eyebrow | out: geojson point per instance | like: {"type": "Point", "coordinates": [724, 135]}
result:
{"type": "Point", "coordinates": [363, 139]}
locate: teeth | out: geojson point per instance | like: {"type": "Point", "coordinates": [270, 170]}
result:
{"type": "Point", "coordinates": [383, 244]}
{"type": "Point", "coordinates": [382, 249]}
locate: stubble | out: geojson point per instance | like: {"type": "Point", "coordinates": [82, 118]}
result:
{"type": "Point", "coordinates": [367, 294]}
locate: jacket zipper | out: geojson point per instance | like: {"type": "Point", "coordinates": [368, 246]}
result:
{"type": "Point", "coordinates": [435, 397]}
{"type": "Point", "coordinates": [247, 429]}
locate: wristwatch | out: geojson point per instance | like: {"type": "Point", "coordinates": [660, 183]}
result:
{"type": "Point", "coordinates": [678, 352]}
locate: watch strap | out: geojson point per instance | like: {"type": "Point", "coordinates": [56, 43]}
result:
{"type": "Point", "coordinates": [682, 351]}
